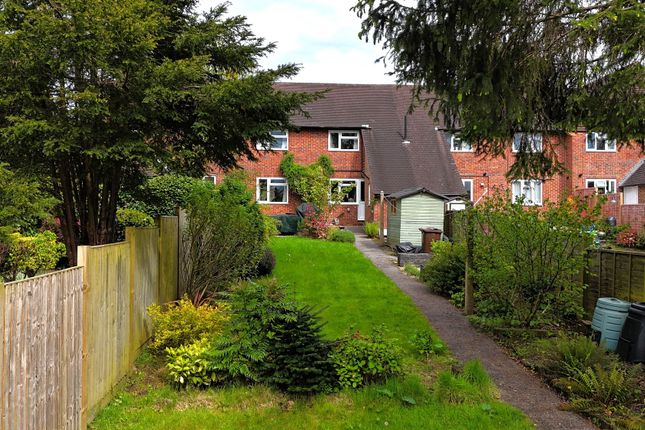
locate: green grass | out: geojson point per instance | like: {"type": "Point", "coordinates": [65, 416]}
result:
{"type": "Point", "coordinates": [353, 293]}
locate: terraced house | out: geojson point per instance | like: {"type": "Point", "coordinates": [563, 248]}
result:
{"type": "Point", "coordinates": [376, 144]}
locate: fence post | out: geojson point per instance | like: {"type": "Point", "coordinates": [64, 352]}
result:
{"type": "Point", "coordinates": [2, 355]}
{"type": "Point", "coordinates": [81, 260]}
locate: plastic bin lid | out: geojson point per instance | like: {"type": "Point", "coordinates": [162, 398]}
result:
{"type": "Point", "coordinates": [613, 304]}
{"type": "Point", "coordinates": [430, 230]}
{"type": "Point", "coordinates": [640, 306]}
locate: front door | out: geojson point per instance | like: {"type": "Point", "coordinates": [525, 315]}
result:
{"type": "Point", "coordinates": [360, 197]}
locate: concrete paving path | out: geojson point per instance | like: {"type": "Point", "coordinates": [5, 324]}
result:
{"type": "Point", "coordinates": [517, 385]}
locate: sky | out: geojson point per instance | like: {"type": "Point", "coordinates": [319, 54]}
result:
{"type": "Point", "coordinates": [320, 35]}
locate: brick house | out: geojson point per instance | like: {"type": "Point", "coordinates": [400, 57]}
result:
{"type": "Point", "coordinates": [590, 160]}
{"type": "Point", "coordinates": [374, 144]}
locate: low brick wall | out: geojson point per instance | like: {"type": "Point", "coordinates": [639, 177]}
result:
{"type": "Point", "coordinates": [418, 260]}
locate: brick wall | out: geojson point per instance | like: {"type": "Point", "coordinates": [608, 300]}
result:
{"type": "Point", "coordinates": [306, 146]}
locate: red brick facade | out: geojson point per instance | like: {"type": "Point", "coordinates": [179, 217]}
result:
{"type": "Point", "coordinates": [307, 145]}
{"type": "Point", "coordinates": [488, 174]}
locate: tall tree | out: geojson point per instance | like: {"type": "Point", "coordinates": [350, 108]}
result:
{"type": "Point", "coordinates": [94, 92]}
{"type": "Point", "coordinates": [496, 67]}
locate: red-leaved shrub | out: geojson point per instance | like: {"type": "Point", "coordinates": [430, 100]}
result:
{"type": "Point", "coordinates": [627, 238]}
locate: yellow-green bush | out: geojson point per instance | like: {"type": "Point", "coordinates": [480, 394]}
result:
{"type": "Point", "coordinates": [371, 229]}
{"type": "Point", "coordinates": [189, 365]}
{"type": "Point", "coordinates": [182, 323]}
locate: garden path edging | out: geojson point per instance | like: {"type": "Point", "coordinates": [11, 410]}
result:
{"type": "Point", "coordinates": [518, 386]}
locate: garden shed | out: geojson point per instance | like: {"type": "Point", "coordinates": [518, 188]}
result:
{"type": "Point", "coordinates": [412, 209]}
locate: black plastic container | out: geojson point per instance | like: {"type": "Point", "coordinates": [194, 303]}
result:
{"type": "Point", "coordinates": [631, 345]}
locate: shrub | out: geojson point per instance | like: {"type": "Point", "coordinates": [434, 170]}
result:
{"type": "Point", "coordinates": [162, 195]}
{"type": "Point", "coordinates": [315, 223]}
{"type": "Point", "coordinates": [444, 272]}
{"type": "Point", "coordinates": [30, 255]}
{"type": "Point", "coordinates": [360, 359]}
{"type": "Point", "coordinates": [189, 365]}
{"type": "Point", "coordinates": [298, 357]}
{"type": "Point", "coordinates": [426, 344]}
{"type": "Point", "coordinates": [342, 236]}
{"type": "Point", "coordinates": [265, 265]}
{"type": "Point", "coordinates": [224, 239]}
{"type": "Point", "coordinates": [627, 238]}
{"type": "Point", "coordinates": [133, 218]}
{"type": "Point", "coordinates": [371, 229]}
{"type": "Point", "coordinates": [182, 323]}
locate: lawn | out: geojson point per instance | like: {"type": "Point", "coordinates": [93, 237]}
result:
{"type": "Point", "coordinates": [352, 293]}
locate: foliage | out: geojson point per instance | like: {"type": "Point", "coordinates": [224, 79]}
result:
{"type": "Point", "coordinates": [491, 69]}
{"type": "Point", "coordinates": [412, 270]}
{"type": "Point", "coordinates": [182, 323]}
{"type": "Point", "coordinates": [444, 272]}
{"type": "Point", "coordinates": [426, 344]}
{"type": "Point", "coordinates": [342, 236]}
{"type": "Point", "coordinates": [361, 359]}
{"type": "Point", "coordinates": [265, 265]}
{"type": "Point", "coordinates": [315, 222]}
{"type": "Point", "coordinates": [225, 237]}
{"type": "Point", "coordinates": [371, 229]}
{"type": "Point", "coordinates": [161, 195]}
{"type": "Point", "coordinates": [526, 258]}
{"type": "Point", "coordinates": [298, 357]}
{"type": "Point", "coordinates": [30, 255]}
{"type": "Point", "coordinates": [471, 385]}
{"type": "Point", "coordinates": [310, 182]}
{"type": "Point", "coordinates": [23, 205]}
{"type": "Point", "coordinates": [133, 218]}
{"type": "Point", "coordinates": [245, 344]}
{"type": "Point", "coordinates": [153, 86]}
{"type": "Point", "coordinates": [188, 365]}
{"type": "Point", "coordinates": [627, 238]}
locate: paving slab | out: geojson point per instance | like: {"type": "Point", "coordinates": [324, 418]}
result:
{"type": "Point", "coordinates": [518, 386]}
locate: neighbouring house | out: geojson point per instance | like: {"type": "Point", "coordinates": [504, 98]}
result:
{"type": "Point", "coordinates": [412, 209]}
{"type": "Point", "coordinates": [375, 144]}
{"type": "Point", "coordinates": [590, 160]}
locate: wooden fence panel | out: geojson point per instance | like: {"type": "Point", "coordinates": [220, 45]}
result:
{"type": "Point", "coordinates": [41, 354]}
{"type": "Point", "coordinates": [614, 273]}
{"type": "Point", "coordinates": [168, 259]}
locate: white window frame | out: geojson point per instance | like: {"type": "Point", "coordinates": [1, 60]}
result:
{"type": "Point", "coordinates": [210, 178]}
{"type": "Point", "coordinates": [536, 144]}
{"type": "Point", "coordinates": [532, 185]}
{"type": "Point", "coordinates": [595, 135]}
{"type": "Point", "coordinates": [276, 134]}
{"type": "Point", "coordinates": [356, 187]}
{"type": "Point", "coordinates": [465, 181]}
{"type": "Point", "coordinates": [454, 137]}
{"type": "Point", "coordinates": [611, 184]}
{"type": "Point", "coordinates": [269, 184]}
{"type": "Point", "coordinates": [340, 137]}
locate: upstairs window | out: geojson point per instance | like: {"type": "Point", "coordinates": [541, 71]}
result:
{"type": "Point", "coordinates": [599, 142]}
{"type": "Point", "coordinates": [343, 140]}
{"type": "Point", "coordinates": [602, 186]}
{"type": "Point", "coordinates": [272, 190]}
{"type": "Point", "coordinates": [459, 145]}
{"type": "Point", "coordinates": [280, 141]}
{"type": "Point", "coordinates": [529, 192]}
{"type": "Point", "coordinates": [531, 141]}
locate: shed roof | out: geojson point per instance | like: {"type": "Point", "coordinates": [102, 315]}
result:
{"type": "Point", "coordinates": [414, 191]}
{"type": "Point", "coordinates": [379, 112]}
{"type": "Point", "coordinates": [636, 175]}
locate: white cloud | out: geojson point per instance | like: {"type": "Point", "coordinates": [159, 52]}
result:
{"type": "Point", "coordinates": [320, 35]}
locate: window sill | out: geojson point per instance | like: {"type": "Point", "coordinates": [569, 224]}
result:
{"type": "Point", "coordinates": [272, 203]}
{"type": "Point", "coordinates": [601, 150]}
{"type": "Point", "coordinates": [344, 150]}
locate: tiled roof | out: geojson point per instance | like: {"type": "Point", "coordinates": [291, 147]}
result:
{"type": "Point", "coordinates": [414, 191]}
{"type": "Point", "coordinates": [636, 176]}
{"type": "Point", "coordinates": [379, 111]}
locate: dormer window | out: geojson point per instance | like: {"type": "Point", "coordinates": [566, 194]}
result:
{"type": "Point", "coordinates": [280, 141]}
{"type": "Point", "coordinates": [598, 142]}
{"type": "Point", "coordinates": [529, 142]}
{"type": "Point", "coordinates": [343, 140]}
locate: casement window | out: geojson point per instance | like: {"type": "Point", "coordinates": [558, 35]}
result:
{"type": "Point", "coordinates": [527, 191]}
{"type": "Point", "coordinates": [457, 144]}
{"type": "Point", "coordinates": [468, 184]}
{"type": "Point", "coordinates": [343, 140]}
{"type": "Point", "coordinates": [530, 141]}
{"type": "Point", "coordinates": [349, 188]}
{"type": "Point", "coordinates": [272, 190]}
{"type": "Point", "coordinates": [598, 142]}
{"type": "Point", "coordinates": [210, 178]}
{"type": "Point", "coordinates": [602, 186]}
{"type": "Point", "coordinates": [280, 141]}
